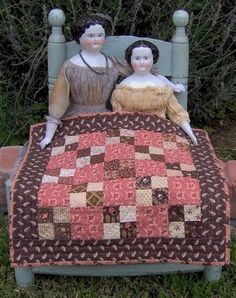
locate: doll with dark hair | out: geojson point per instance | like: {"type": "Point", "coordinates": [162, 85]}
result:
{"type": "Point", "coordinates": [146, 92]}
{"type": "Point", "coordinates": [86, 80]}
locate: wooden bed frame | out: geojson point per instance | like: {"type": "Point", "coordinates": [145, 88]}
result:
{"type": "Point", "coordinates": [173, 62]}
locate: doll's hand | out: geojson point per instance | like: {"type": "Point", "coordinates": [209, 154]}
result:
{"type": "Point", "coordinates": [193, 139]}
{"type": "Point", "coordinates": [45, 141]}
{"type": "Point", "coordinates": [179, 88]}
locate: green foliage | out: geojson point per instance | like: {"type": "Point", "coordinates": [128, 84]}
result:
{"type": "Point", "coordinates": [23, 68]}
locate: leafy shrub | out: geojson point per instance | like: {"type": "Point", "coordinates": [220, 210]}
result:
{"type": "Point", "coordinates": [23, 68]}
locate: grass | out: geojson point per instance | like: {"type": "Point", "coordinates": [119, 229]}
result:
{"type": "Point", "coordinates": [181, 285]}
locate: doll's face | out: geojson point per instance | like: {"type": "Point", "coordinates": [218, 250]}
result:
{"type": "Point", "coordinates": [142, 59]}
{"type": "Point", "coordinates": [93, 38]}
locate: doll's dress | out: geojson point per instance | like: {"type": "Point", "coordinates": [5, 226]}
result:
{"type": "Point", "coordinates": [79, 90]}
{"type": "Point", "coordinates": [151, 99]}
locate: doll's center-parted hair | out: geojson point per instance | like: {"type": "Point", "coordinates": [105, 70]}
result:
{"type": "Point", "coordinates": [84, 22]}
{"type": "Point", "coordinates": [138, 44]}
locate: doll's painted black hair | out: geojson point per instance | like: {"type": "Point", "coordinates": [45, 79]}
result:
{"type": "Point", "coordinates": [84, 22]}
{"type": "Point", "coordinates": [141, 43]}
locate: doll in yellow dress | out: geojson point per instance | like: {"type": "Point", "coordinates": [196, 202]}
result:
{"type": "Point", "coordinates": [145, 92]}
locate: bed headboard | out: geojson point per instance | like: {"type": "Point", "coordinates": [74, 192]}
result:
{"type": "Point", "coordinates": [173, 61]}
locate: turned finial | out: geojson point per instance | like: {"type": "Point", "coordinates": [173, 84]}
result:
{"type": "Point", "coordinates": [180, 18]}
{"type": "Point", "coordinates": [56, 17]}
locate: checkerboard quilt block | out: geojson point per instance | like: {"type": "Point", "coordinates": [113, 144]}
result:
{"type": "Point", "coordinates": [119, 188]}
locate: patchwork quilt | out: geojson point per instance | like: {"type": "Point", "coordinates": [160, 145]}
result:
{"type": "Point", "coordinates": [119, 188]}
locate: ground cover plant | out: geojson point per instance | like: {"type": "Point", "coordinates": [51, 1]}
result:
{"type": "Point", "coordinates": [23, 67]}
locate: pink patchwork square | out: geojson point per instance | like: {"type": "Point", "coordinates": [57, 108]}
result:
{"type": "Point", "coordinates": [149, 168]}
{"type": "Point", "coordinates": [183, 190]}
{"type": "Point", "coordinates": [66, 160]}
{"type": "Point", "coordinates": [119, 192]}
{"type": "Point", "coordinates": [86, 220]}
{"type": "Point", "coordinates": [90, 173]}
{"type": "Point", "coordinates": [51, 194]}
{"type": "Point", "coordinates": [92, 139]}
{"type": "Point", "coordinates": [152, 221]}
{"type": "Point", "coordinates": [119, 151]}
{"type": "Point", "coordinates": [148, 138]}
{"type": "Point", "coordinates": [177, 155]}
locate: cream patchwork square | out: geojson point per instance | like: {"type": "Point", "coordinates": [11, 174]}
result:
{"type": "Point", "coordinates": [78, 199]}
{"type": "Point", "coordinates": [142, 156]}
{"type": "Point", "coordinates": [174, 173]}
{"type": "Point", "coordinates": [93, 186]}
{"type": "Point", "coordinates": [192, 213]}
{"type": "Point", "coordinates": [144, 197]}
{"type": "Point", "coordinates": [67, 172]}
{"type": "Point", "coordinates": [82, 161]}
{"type": "Point", "coordinates": [170, 145]}
{"type": "Point", "coordinates": [159, 182]}
{"type": "Point", "coordinates": [112, 140]}
{"type": "Point", "coordinates": [181, 140]}
{"type": "Point", "coordinates": [155, 150]}
{"type": "Point", "coordinates": [126, 132]}
{"type": "Point", "coordinates": [111, 230]}
{"type": "Point", "coordinates": [176, 229]}
{"type": "Point", "coordinates": [127, 213]}
{"type": "Point", "coordinates": [49, 179]}
{"type": "Point", "coordinates": [71, 140]}
{"type": "Point", "coordinates": [61, 214]}
{"type": "Point", "coordinates": [57, 150]}
{"type": "Point", "coordinates": [46, 231]}
{"type": "Point", "coordinates": [95, 150]}
{"type": "Point", "coordinates": [185, 167]}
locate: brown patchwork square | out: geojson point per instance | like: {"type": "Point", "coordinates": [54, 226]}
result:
{"type": "Point", "coordinates": [127, 140]}
{"type": "Point", "coordinates": [94, 198]}
{"type": "Point", "coordinates": [192, 174]}
{"type": "Point", "coordinates": [45, 215]}
{"type": "Point", "coordinates": [158, 157]}
{"type": "Point", "coordinates": [97, 158]}
{"type": "Point", "coordinates": [71, 147]}
{"type": "Point", "coordinates": [127, 168]}
{"type": "Point", "coordinates": [173, 166]}
{"type": "Point", "coordinates": [113, 133]}
{"type": "Point", "coordinates": [193, 229]}
{"type": "Point", "coordinates": [159, 196]}
{"type": "Point", "coordinates": [65, 180]}
{"type": "Point", "coordinates": [62, 231]}
{"type": "Point", "coordinates": [128, 230]}
{"type": "Point", "coordinates": [176, 213]}
{"type": "Point", "coordinates": [169, 137]}
{"type": "Point", "coordinates": [79, 188]}
{"type": "Point", "coordinates": [183, 146]}
{"type": "Point", "coordinates": [83, 153]}
{"type": "Point", "coordinates": [143, 182]}
{"type": "Point", "coordinates": [112, 165]}
{"type": "Point", "coordinates": [111, 214]}
{"type": "Point", "coordinates": [142, 149]}
{"type": "Point", "coordinates": [58, 142]}
{"type": "Point", "coordinates": [52, 172]}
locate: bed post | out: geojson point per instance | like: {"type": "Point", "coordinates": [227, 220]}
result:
{"type": "Point", "coordinates": [180, 54]}
{"type": "Point", "coordinates": [56, 45]}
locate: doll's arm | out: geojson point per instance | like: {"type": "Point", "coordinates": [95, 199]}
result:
{"type": "Point", "coordinates": [175, 87]}
{"type": "Point", "coordinates": [58, 103]}
{"type": "Point", "coordinates": [115, 101]}
{"type": "Point", "coordinates": [177, 114]}
{"type": "Point", "coordinates": [187, 128]}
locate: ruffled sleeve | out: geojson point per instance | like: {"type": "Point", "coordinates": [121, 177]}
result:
{"type": "Point", "coordinates": [59, 98]}
{"type": "Point", "coordinates": [116, 100]}
{"type": "Point", "coordinates": [175, 111]}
